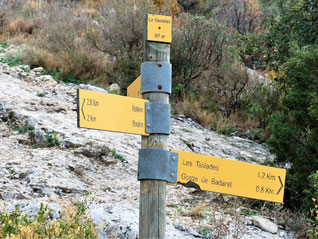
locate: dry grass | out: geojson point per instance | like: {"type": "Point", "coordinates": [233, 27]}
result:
{"type": "Point", "coordinates": [91, 3]}
{"type": "Point", "coordinates": [2, 20]}
{"type": "Point", "coordinates": [19, 26]}
{"type": "Point", "coordinates": [210, 119]}
{"type": "Point", "coordinates": [199, 210]}
{"type": "Point", "coordinates": [63, 47]}
{"type": "Point", "coordinates": [193, 110]}
{"type": "Point", "coordinates": [56, 37]}
{"type": "Point", "coordinates": [3, 38]}
{"type": "Point", "coordinates": [14, 23]}
{"type": "Point", "coordinates": [34, 57]}
{"type": "Point", "coordinates": [32, 5]}
{"type": "Point", "coordinates": [214, 119]}
{"type": "Point", "coordinates": [88, 11]}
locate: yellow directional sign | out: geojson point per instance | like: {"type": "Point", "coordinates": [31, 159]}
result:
{"type": "Point", "coordinates": [231, 177]}
{"type": "Point", "coordinates": [133, 90]}
{"type": "Point", "coordinates": [109, 112]}
{"type": "Point", "coordinates": [159, 28]}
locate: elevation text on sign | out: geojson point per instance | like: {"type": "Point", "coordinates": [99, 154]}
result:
{"type": "Point", "coordinates": [159, 28]}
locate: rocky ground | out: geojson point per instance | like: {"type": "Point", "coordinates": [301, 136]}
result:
{"type": "Point", "coordinates": [44, 157]}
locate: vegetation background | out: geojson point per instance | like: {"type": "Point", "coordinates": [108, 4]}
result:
{"type": "Point", "coordinates": [246, 67]}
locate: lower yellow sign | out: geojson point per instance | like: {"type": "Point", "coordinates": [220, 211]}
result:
{"type": "Point", "coordinates": [109, 112]}
{"type": "Point", "coordinates": [133, 90]}
{"type": "Point", "coordinates": [231, 177]}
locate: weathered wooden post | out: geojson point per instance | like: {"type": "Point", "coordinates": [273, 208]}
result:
{"type": "Point", "coordinates": [152, 206]}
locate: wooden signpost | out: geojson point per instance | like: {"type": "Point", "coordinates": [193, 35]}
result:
{"type": "Point", "coordinates": [150, 118]}
{"type": "Point", "coordinates": [152, 201]}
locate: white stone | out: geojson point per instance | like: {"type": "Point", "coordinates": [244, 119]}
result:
{"type": "Point", "coordinates": [48, 80]}
{"type": "Point", "coordinates": [227, 219]}
{"type": "Point", "coordinates": [114, 87]}
{"type": "Point", "coordinates": [24, 74]}
{"type": "Point", "coordinates": [217, 216]}
{"type": "Point", "coordinates": [92, 88]}
{"type": "Point", "coordinates": [38, 69]}
{"type": "Point", "coordinates": [265, 224]}
{"type": "Point", "coordinates": [25, 68]}
{"type": "Point", "coordinates": [248, 220]}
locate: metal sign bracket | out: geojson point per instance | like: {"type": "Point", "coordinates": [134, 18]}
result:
{"type": "Point", "coordinates": [158, 164]}
{"type": "Point", "coordinates": [157, 118]}
{"type": "Point", "coordinates": [156, 77]}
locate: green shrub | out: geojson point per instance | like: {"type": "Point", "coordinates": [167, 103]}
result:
{"type": "Point", "coordinates": [198, 45]}
{"type": "Point", "coordinates": [51, 140]}
{"type": "Point", "coordinates": [297, 22]}
{"type": "Point", "coordinates": [253, 51]}
{"type": "Point", "coordinates": [4, 44]}
{"type": "Point", "coordinates": [313, 219]}
{"type": "Point", "coordinates": [260, 101]}
{"type": "Point", "coordinates": [294, 129]}
{"type": "Point", "coordinates": [205, 66]}
{"type": "Point", "coordinates": [205, 233]}
{"type": "Point", "coordinates": [21, 128]}
{"type": "Point", "coordinates": [248, 212]}
{"type": "Point", "coordinates": [117, 156]}
{"type": "Point", "coordinates": [11, 61]}
{"type": "Point", "coordinates": [74, 223]}
{"type": "Point", "coordinates": [41, 94]}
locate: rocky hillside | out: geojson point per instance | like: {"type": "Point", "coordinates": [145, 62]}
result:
{"type": "Point", "coordinates": [44, 157]}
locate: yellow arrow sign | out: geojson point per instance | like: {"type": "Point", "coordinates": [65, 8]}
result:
{"type": "Point", "coordinates": [109, 112]}
{"type": "Point", "coordinates": [159, 28]}
{"type": "Point", "coordinates": [133, 90]}
{"type": "Point", "coordinates": [231, 177]}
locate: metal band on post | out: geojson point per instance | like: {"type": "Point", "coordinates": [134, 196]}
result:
{"type": "Point", "coordinates": [156, 77]}
{"type": "Point", "coordinates": [157, 118]}
{"type": "Point", "coordinates": [158, 164]}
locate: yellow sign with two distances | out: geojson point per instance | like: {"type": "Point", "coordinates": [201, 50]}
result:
{"type": "Point", "coordinates": [231, 177]}
{"type": "Point", "coordinates": [96, 110]}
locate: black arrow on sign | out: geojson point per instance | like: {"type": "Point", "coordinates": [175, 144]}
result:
{"type": "Point", "coordinates": [83, 109]}
{"type": "Point", "coordinates": [281, 183]}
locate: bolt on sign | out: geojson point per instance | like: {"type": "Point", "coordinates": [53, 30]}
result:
{"type": "Point", "coordinates": [159, 28]}
{"type": "Point", "coordinates": [133, 90]}
{"type": "Point", "coordinates": [231, 177]}
{"type": "Point", "coordinates": [109, 112]}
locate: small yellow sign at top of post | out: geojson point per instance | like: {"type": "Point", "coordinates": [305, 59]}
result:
{"type": "Point", "coordinates": [159, 28]}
